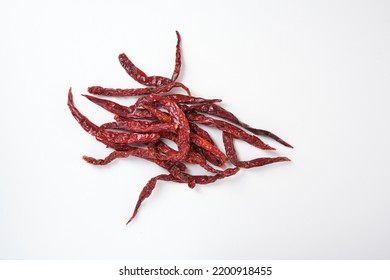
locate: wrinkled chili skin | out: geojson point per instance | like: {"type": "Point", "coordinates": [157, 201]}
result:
{"type": "Point", "coordinates": [191, 180]}
{"type": "Point", "coordinates": [186, 99]}
{"type": "Point", "coordinates": [148, 189]}
{"type": "Point", "coordinates": [111, 106]}
{"type": "Point", "coordinates": [231, 129]}
{"type": "Point", "coordinates": [141, 126]}
{"type": "Point", "coordinates": [98, 90]}
{"type": "Point", "coordinates": [126, 137]}
{"type": "Point", "coordinates": [203, 143]}
{"type": "Point", "coordinates": [84, 122]}
{"type": "Point", "coordinates": [139, 75]}
{"type": "Point", "coordinates": [204, 134]}
{"type": "Point", "coordinates": [257, 162]}
{"type": "Point", "coordinates": [218, 111]}
{"type": "Point", "coordinates": [156, 113]}
{"type": "Point", "coordinates": [176, 71]}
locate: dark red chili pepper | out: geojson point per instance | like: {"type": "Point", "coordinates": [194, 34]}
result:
{"type": "Point", "coordinates": [132, 151]}
{"type": "Point", "coordinates": [148, 189]}
{"type": "Point", "coordinates": [84, 122]}
{"type": "Point", "coordinates": [140, 126]}
{"type": "Point", "coordinates": [231, 129]}
{"type": "Point", "coordinates": [139, 75]}
{"type": "Point", "coordinates": [176, 71]}
{"type": "Point", "coordinates": [232, 155]}
{"type": "Point", "coordinates": [126, 137]}
{"type": "Point", "coordinates": [203, 143]}
{"type": "Point", "coordinates": [138, 113]}
{"type": "Point", "coordinates": [190, 179]}
{"type": "Point", "coordinates": [112, 106]}
{"type": "Point", "coordinates": [97, 90]}
{"type": "Point", "coordinates": [159, 115]}
{"type": "Point", "coordinates": [207, 154]}
{"type": "Point", "coordinates": [218, 111]}
{"type": "Point", "coordinates": [145, 153]}
{"type": "Point", "coordinates": [180, 98]}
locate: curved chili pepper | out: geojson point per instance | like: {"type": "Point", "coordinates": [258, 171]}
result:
{"type": "Point", "coordinates": [145, 153]}
{"type": "Point", "coordinates": [186, 178]}
{"type": "Point", "coordinates": [218, 111]}
{"type": "Point", "coordinates": [139, 76]}
{"type": "Point", "coordinates": [227, 127]}
{"type": "Point", "coordinates": [232, 155]}
{"type": "Point", "coordinates": [176, 71]}
{"type": "Point", "coordinates": [84, 122]}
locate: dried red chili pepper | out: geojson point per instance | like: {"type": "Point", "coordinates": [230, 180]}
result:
{"type": "Point", "coordinates": [98, 90]}
{"type": "Point", "coordinates": [206, 145]}
{"type": "Point", "coordinates": [84, 122]}
{"type": "Point", "coordinates": [140, 130]}
{"type": "Point", "coordinates": [190, 179]}
{"type": "Point", "coordinates": [231, 129]}
{"type": "Point", "coordinates": [126, 137]}
{"type": "Point", "coordinates": [180, 98]}
{"type": "Point", "coordinates": [112, 106]}
{"type": "Point", "coordinates": [139, 76]}
{"type": "Point", "coordinates": [141, 126]}
{"type": "Point", "coordinates": [257, 162]}
{"type": "Point", "coordinates": [218, 111]}
{"type": "Point", "coordinates": [176, 71]}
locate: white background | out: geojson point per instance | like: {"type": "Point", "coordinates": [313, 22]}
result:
{"type": "Point", "coordinates": [317, 73]}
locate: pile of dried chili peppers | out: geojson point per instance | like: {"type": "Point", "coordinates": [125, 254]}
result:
{"type": "Point", "coordinates": [143, 128]}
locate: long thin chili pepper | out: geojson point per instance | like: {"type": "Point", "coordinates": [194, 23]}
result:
{"type": "Point", "coordinates": [176, 71]}
{"type": "Point", "coordinates": [111, 106]}
{"type": "Point", "coordinates": [139, 75]}
{"type": "Point", "coordinates": [141, 126]}
{"type": "Point", "coordinates": [98, 90]}
{"type": "Point", "coordinates": [132, 151]}
{"type": "Point", "coordinates": [148, 189]}
{"type": "Point", "coordinates": [151, 184]}
{"type": "Point", "coordinates": [138, 113]}
{"type": "Point", "coordinates": [203, 143]}
{"type": "Point", "coordinates": [84, 122]}
{"type": "Point", "coordinates": [204, 134]}
{"type": "Point", "coordinates": [232, 155]}
{"type": "Point", "coordinates": [180, 98]}
{"type": "Point", "coordinates": [218, 111]}
{"type": "Point", "coordinates": [126, 137]}
{"type": "Point", "coordinates": [233, 130]}
{"type": "Point", "coordinates": [145, 153]}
